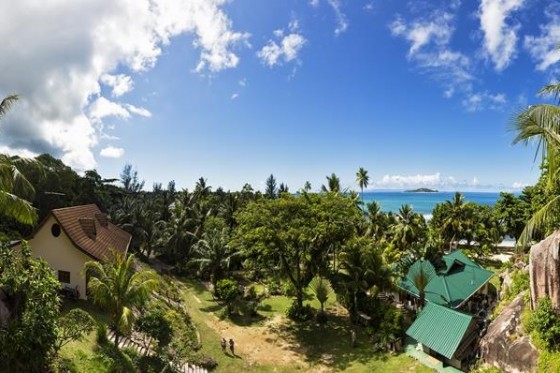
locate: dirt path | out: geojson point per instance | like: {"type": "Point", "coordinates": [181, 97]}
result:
{"type": "Point", "coordinates": [257, 344]}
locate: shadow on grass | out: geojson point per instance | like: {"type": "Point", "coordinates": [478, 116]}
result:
{"type": "Point", "coordinates": [328, 344]}
{"type": "Point", "coordinates": [97, 313]}
{"type": "Point", "coordinates": [490, 264]}
{"type": "Point", "coordinates": [213, 308]}
{"type": "Point", "coordinates": [246, 320]}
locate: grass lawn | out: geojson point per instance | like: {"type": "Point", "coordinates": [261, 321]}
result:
{"type": "Point", "coordinates": [290, 346]}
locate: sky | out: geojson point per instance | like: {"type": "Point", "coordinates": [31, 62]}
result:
{"type": "Point", "coordinates": [419, 93]}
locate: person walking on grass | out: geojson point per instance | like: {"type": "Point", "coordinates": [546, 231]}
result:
{"type": "Point", "coordinates": [223, 344]}
{"type": "Point", "coordinates": [232, 346]}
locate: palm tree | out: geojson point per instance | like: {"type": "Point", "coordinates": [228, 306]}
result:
{"type": "Point", "coordinates": [119, 288]}
{"type": "Point", "coordinates": [420, 274]}
{"type": "Point", "coordinates": [322, 289]}
{"type": "Point", "coordinates": [307, 186]}
{"type": "Point", "coordinates": [333, 184]}
{"type": "Point", "coordinates": [212, 253]}
{"type": "Point", "coordinates": [362, 179]}
{"type": "Point", "coordinates": [15, 190]}
{"type": "Point", "coordinates": [454, 222]}
{"type": "Point", "coordinates": [541, 123]}
{"type": "Point", "coordinates": [409, 229]}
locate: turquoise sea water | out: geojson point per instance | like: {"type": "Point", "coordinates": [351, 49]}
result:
{"type": "Point", "coordinates": [424, 203]}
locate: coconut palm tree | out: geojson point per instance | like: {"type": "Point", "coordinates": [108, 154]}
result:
{"type": "Point", "coordinates": [333, 184]}
{"type": "Point", "coordinates": [541, 124]}
{"type": "Point", "coordinates": [362, 179]}
{"type": "Point", "coordinates": [455, 220]}
{"type": "Point", "coordinates": [307, 186]}
{"type": "Point", "coordinates": [119, 288]}
{"type": "Point", "coordinates": [15, 190]}
{"type": "Point", "coordinates": [213, 253]}
{"type": "Point", "coordinates": [409, 229]}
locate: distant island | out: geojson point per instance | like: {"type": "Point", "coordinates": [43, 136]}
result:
{"type": "Point", "coordinates": [421, 190]}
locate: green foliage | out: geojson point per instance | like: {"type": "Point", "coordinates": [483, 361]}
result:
{"type": "Point", "coordinates": [293, 233]}
{"type": "Point", "coordinates": [227, 290]}
{"type": "Point", "coordinates": [297, 313]}
{"type": "Point", "coordinates": [545, 322]}
{"type": "Point", "coordinates": [520, 282]}
{"type": "Point", "coordinates": [118, 288]}
{"type": "Point", "coordinates": [32, 300]}
{"type": "Point", "coordinates": [322, 289]}
{"type": "Point", "coordinates": [205, 361]}
{"type": "Point", "coordinates": [548, 362]}
{"type": "Point", "coordinates": [101, 334]}
{"type": "Point", "coordinates": [73, 327]}
{"type": "Point", "coordinates": [154, 324]}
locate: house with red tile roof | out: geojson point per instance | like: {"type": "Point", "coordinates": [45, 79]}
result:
{"type": "Point", "coordinates": [69, 237]}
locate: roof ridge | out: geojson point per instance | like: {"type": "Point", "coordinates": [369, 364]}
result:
{"type": "Point", "coordinates": [76, 207]}
{"type": "Point", "coordinates": [464, 314]}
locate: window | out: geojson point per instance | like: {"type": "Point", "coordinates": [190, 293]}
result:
{"type": "Point", "coordinates": [64, 277]}
{"type": "Point", "coordinates": [55, 230]}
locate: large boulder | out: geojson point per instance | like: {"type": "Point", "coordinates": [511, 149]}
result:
{"type": "Point", "coordinates": [544, 270]}
{"type": "Point", "coordinates": [504, 346]}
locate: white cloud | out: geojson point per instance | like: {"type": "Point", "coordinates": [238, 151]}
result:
{"type": "Point", "coordinates": [341, 19]}
{"type": "Point", "coordinates": [429, 39]}
{"type": "Point", "coordinates": [139, 111]}
{"type": "Point", "coordinates": [438, 29]}
{"type": "Point", "coordinates": [436, 180]}
{"type": "Point", "coordinates": [518, 185]}
{"type": "Point", "coordinates": [544, 48]}
{"type": "Point", "coordinates": [500, 38]}
{"type": "Point", "coordinates": [477, 101]}
{"type": "Point", "coordinates": [58, 62]}
{"type": "Point", "coordinates": [234, 96]}
{"type": "Point", "coordinates": [120, 83]}
{"type": "Point", "coordinates": [111, 152]}
{"type": "Point", "coordinates": [285, 50]}
{"type": "Point", "coordinates": [102, 108]}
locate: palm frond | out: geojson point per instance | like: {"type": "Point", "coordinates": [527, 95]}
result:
{"type": "Point", "coordinates": [17, 208]}
{"type": "Point", "coordinates": [7, 103]}
{"type": "Point", "coordinates": [539, 221]}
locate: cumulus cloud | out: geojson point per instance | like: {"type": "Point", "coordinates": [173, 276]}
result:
{"type": "Point", "coordinates": [500, 38]}
{"type": "Point", "coordinates": [111, 152]}
{"type": "Point", "coordinates": [120, 83]}
{"type": "Point", "coordinates": [286, 49]}
{"type": "Point", "coordinates": [519, 185]}
{"type": "Point", "coordinates": [436, 180]}
{"type": "Point", "coordinates": [477, 101]}
{"type": "Point", "coordinates": [59, 61]}
{"type": "Point", "coordinates": [544, 48]}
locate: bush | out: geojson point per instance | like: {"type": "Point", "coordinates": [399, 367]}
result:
{"type": "Point", "coordinates": [227, 290]}
{"type": "Point", "coordinates": [520, 282]}
{"type": "Point", "coordinates": [288, 289]}
{"type": "Point", "coordinates": [156, 326]}
{"type": "Point", "coordinates": [205, 361]}
{"type": "Point", "coordinates": [545, 322]}
{"type": "Point", "coordinates": [296, 313]}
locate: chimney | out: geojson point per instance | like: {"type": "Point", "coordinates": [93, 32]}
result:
{"type": "Point", "coordinates": [88, 225]}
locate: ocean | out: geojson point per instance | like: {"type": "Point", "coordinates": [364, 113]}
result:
{"type": "Point", "coordinates": [424, 203]}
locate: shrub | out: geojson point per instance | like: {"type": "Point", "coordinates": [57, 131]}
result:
{"type": "Point", "coordinates": [296, 313]}
{"type": "Point", "coordinates": [288, 289]}
{"type": "Point", "coordinates": [227, 290]}
{"type": "Point", "coordinates": [205, 361]}
{"type": "Point", "coordinates": [520, 282]}
{"type": "Point", "coordinates": [156, 326]}
{"type": "Point", "coordinates": [546, 323]}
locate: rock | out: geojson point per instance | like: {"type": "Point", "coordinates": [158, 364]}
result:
{"type": "Point", "coordinates": [544, 270]}
{"type": "Point", "coordinates": [504, 346]}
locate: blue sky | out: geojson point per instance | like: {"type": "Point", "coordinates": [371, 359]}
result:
{"type": "Point", "coordinates": [418, 93]}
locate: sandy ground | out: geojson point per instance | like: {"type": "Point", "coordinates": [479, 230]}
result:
{"type": "Point", "coordinates": [257, 344]}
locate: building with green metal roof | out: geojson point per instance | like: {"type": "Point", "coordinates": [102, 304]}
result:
{"type": "Point", "coordinates": [453, 285]}
{"type": "Point", "coordinates": [446, 332]}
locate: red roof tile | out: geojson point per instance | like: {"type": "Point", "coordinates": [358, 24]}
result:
{"type": "Point", "coordinates": [90, 231]}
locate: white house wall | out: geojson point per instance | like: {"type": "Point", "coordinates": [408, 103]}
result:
{"type": "Point", "coordinates": [61, 254]}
